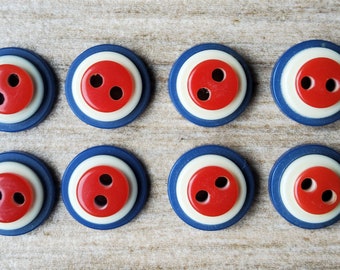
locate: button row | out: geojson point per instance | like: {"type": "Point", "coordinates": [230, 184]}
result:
{"type": "Point", "coordinates": [108, 86]}
{"type": "Point", "coordinates": [209, 187]}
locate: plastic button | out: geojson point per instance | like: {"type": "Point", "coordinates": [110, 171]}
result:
{"type": "Point", "coordinates": [104, 187]}
{"type": "Point", "coordinates": [317, 190]}
{"type": "Point", "coordinates": [16, 89]}
{"type": "Point", "coordinates": [211, 187]}
{"type": "Point", "coordinates": [27, 193]}
{"type": "Point", "coordinates": [213, 191]}
{"type": "Point", "coordinates": [305, 82]}
{"type": "Point", "coordinates": [210, 84]}
{"type": "Point", "coordinates": [16, 197]}
{"type": "Point", "coordinates": [318, 82]}
{"type": "Point", "coordinates": [304, 186]}
{"type": "Point", "coordinates": [27, 89]}
{"type": "Point", "coordinates": [108, 86]}
{"type": "Point", "coordinates": [213, 84]}
{"type": "Point", "coordinates": [103, 191]}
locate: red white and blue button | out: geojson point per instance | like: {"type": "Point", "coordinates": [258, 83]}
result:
{"type": "Point", "coordinates": [210, 84]}
{"type": "Point", "coordinates": [104, 187]}
{"type": "Point", "coordinates": [211, 187]}
{"type": "Point", "coordinates": [27, 193]}
{"type": "Point", "coordinates": [27, 89]}
{"type": "Point", "coordinates": [108, 86]}
{"type": "Point", "coordinates": [304, 186]}
{"type": "Point", "coordinates": [306, 82]}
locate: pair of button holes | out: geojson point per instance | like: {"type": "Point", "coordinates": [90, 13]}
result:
{"type": "Point", "coordinates": [116, 92]}
{"type": "Point", "coordinates": [13, 81]}
{"type": "Point", "coordinates": [104, 187]}
{"type": "Point", "coordinates": [27, 193]}
{"type": "Point", "coordinates": [100, 200]}
{"type": "Point", "coordinates": [218, 75]}
{"type": "Point", "coordinates": [309, 185]}
{"type": "Point", "coordinates": [331, 85]}
{"type": "Point", "coordinates": [304, 186]}
{"type": "Point", "coordinates": [202, 196]}
{"type": "Point", "coordinates": [305, 82]}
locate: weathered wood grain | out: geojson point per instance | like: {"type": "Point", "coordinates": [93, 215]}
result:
{"type": "Point", "coordinates": [159, 31]}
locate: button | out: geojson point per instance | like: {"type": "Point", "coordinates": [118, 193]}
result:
{"type": "Point", "coordinates": [213, 191]}
{"type": "Point", "coordinates": [103, 191]}
{"type": "Point", "coordinates": [104, 187]}
{"type": "Point", "coordinates": [16, 196]}
{"type": "Point", "coordinates": [16, 89]}
{"type": "Point", "coordinates": [108, 86]}
{"type": "Point", "coordinates": [211, 187]}
{"type": "Point", "coordinates": [304, 186]}
{"type": "Point", "coordinates": [210, 84]}
{"type": "Point", "coordinates": [317, 190]}
{"type": "Point", "coordinates": [306, 82]}
{"type": "Point", "coordinates": [27, 193]}
{"type": "Point", "coordinates": [27, 89]}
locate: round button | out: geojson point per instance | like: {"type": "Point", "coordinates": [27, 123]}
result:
{"type": "Point", "coordinates": [304, 186]}
{"type": "Point", "coordinates": [211, 187]}
{"type": "Point", "coordinates": [213, 84]}
{"type": "Point", "coordinates": [27, 89]}
{"type": "Point", "coordinates": [16, 196]}
{"type": "Point", "coordinates": [305, 82]}
{"type": "Point", "coordinates": [318, 82]}
{"type": "Point", "coordinates": [104, 187]}
{"type": "Point", "coordinates": [103, 191]}
{"type": "Point", "coordinates": [27, 193]}
{"type": "Point", "coordinates": [213, 191]}
{"type": "Point", "coordinates": [317, 190]}
{"type": "Point", "coordinates": [210, 84]}
{"type": "Point", "coordinates": [108, 86]}
{"type": "Point", "coordinates": [16, 89]}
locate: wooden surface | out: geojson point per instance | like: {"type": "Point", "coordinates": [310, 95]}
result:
{"type": "Point", "coordinates": [159, 31]}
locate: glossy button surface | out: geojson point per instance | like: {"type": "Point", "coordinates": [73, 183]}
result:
{"type": "Point", "coordinates": [103, 191]}
{"type": "Point", "coordinates": [107, 86]}
{"type": "Point", "coordinates": [27, 193]}
{"type": "Point", "coordinates": [317, 190]}
{"type": "Point", "coordinates": [213, 191]}
{"type": "Point", "coordinates": [304, 186]}
{"type": "Point", "coordinates": [305, 82]}
{"type": "Point", "coordinates": [210, 84]}
{"type": "Point", "coordinates": [16, 89]}
{"type": "Point", "coordinates": [318, 82]}
{"type": "Point", "coordinates": [16, 196]}
{"type": "Point", "coordinates": [213, 84]}
{"type": "Point", "coordinates": [104, 187]}
{"type": "Point", "coordinates": [211, 187]}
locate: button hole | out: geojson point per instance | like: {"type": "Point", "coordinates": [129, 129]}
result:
{"type": "Point", "coordinates": [308, 184]}
{"type": "Point", "coordinates": [116, 93]}
{"type": "Point", "coordinates": [202, 196]}
{"type": "Point", "coordinates": [2, 99]}
{"type": "Point", "coordinates": [96, 80]}
{"type": "Point", "coordinates": [105, 179]}
{"type": "Point", "coordinates": [331, 85]}
{"type": "Point", "coordinates": [19, 198]}
{"type": "Point", "coordinates": [13, 80]}
{"type": "Point", "coordinates": [203, 94]}
{"type": "Point", "coordinates": [218, 75]}
{"type": "Point", "coordinates": [221, 182]}
{"type": "Point", "coordinates": [328, 196]}
{"type": "Point", "coordinates": [100, 201]}
{"type": "Point", "coordinates": [307, 83]}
